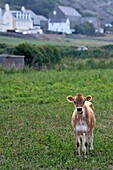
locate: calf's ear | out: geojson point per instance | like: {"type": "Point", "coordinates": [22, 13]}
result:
{"type": "Point", "coordinates": [88, 98]}
{"type": "Point", "coordinates": [70, 98]}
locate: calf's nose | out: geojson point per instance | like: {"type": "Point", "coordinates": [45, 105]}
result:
{"type": "Point", "coordinates": [79, 109]}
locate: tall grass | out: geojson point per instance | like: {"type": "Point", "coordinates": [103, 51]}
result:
{"type": "Point", "coordinates": [35, 119]}
{"type": "Point", "coordinates": [70, 63]}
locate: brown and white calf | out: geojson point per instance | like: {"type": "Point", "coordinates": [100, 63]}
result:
{"type": "Point", "coordinates": [83, 120]}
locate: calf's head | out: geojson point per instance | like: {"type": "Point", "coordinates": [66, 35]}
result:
{"type": "Point", "coordinates": [79, 101]}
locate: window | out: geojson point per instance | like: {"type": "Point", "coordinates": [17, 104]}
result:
{"type": "Point", "coordinates": [54, 12]}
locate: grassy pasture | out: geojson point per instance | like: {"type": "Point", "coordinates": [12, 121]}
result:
{"type": "Point", "coordinates": [35, 120]}
{"type": "Point", "coordinates": [61, 42]}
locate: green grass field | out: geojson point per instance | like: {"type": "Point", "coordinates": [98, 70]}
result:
{"type": "Point", "coordinates": [61, 42]}
{"type": "Point", "coordinates": [35, 120]}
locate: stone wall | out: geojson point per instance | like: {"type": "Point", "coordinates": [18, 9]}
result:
{"type": "Point", "coordinates": [10, 61]}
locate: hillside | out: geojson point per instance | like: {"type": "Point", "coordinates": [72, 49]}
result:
{"type": "Point", "coordinates": [42, 7]}
{"type": "Point", "coordinates": [102, 8]}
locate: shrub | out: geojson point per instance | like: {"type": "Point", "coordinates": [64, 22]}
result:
{"type": "Point", "coordinates": [3, 45]}
{"type": "Point", "coordinates": [85, 28]}
{"type": "Point", "coordinates": [27, 50]}
{"type": "Point", "coordinates": [91, 53]}
{"type": "Point", "coordinates": [48, 55]}
{"type": "Point", "coordinates": [107, 47]}
{"type": "Point", "coordinates": [6, 49]}
{"type": "Point", "coordinates": [38, 55]}
{"type": "Point", "coordinates": [96, 53]}
{"type": "Point", "coordinates": [72, 52]}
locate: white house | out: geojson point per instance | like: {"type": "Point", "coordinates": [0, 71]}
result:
{"type": "Point", "coordinates": [15, 20]}
{"type": "Point", "coordinates": [62, 26]}
{"type": "Point", "coordinates": [19, 20]}
{"type": "Point", "coordinates": [63, 19]}
{"type": "Point", "coordinates": [23, 20]}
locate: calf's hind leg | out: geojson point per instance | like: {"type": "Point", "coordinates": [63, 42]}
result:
{"type": "Point", "coordinates": [91, 140]}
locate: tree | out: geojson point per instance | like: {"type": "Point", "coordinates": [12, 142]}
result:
{"type": "Point", "coordinates": [42, 7]}
{"type": "Point", "coordinates": [85, 28]}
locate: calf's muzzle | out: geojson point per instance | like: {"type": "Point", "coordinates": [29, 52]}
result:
{"type": "Point", "coordinates": [79, 109]}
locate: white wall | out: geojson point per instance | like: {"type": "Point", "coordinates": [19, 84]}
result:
{"type": "Point", "coordinates": [23, 21]}
{"type": "Point", "coordinates": [63, 27]}
{"type": "Point", "coordinates": [23, 25]}
{"type": "Point", "coordinates": [0, 19]}
{"type": "Point", "coordinates": [7, 20]}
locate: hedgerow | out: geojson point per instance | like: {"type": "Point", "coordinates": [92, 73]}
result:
{"type": "Point", "coordinates": [48, 56]}
{"type": "Point", "coordinates": [6, 49]}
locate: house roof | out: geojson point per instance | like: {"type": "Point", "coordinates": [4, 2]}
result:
{"type": "Point", "coordinates": [69, 11]}
{"type": "Point", "coordinates": [36, 20]}
{"type": "Point", "coordinates": [42, 18]}
{"type": "Point", "coordinates": [17, 11]}
{"type": "Point", "coordinates": [39, 17]}
{"type": "Point", "coordinates": [57, 20]}
{"type": "Point", "coordinates": [33, 15]}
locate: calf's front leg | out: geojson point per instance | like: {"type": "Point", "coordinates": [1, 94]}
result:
{"type": "Point", "coordinates": [77, 143]}
{"type": "Point", "coordinates": [85, 144]}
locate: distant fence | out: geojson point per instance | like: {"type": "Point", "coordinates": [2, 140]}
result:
{"type": "Point", "coordinates": [10, 61]}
